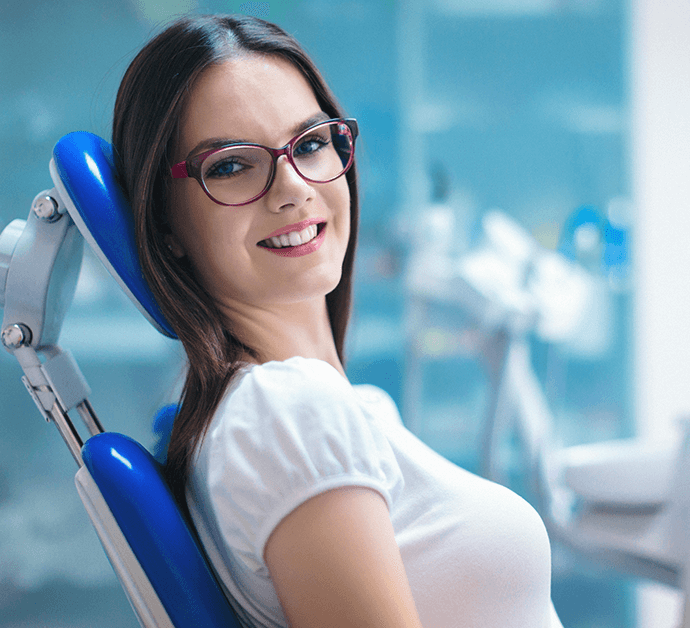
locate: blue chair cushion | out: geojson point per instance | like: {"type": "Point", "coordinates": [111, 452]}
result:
{"type": "Point", "coordinates": [84, 163]}
{"type": "Point", "coordinates": [139, 498]}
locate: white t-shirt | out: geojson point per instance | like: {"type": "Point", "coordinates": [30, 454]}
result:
{"type": "Point", "coordinates": [475, 554]}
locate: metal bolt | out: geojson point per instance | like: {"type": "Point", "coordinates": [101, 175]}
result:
{"type": "Point", "coordinates": [46, 208]}
{"type": "Point", "coordinates": [15, 336]}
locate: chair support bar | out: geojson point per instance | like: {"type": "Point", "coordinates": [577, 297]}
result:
{"type": "Point", "coordinates": [57, 386]}
{"type": "Point", "coordinates": [68, 432]}
{"type": "Point", "coordinates": [88, 416]}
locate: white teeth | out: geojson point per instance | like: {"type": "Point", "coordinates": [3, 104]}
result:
{"type": "Point", "coordinates": [294, 238]}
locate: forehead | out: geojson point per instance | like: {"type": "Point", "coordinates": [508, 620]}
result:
{"type": "Point", "coordinates": [256, 98]}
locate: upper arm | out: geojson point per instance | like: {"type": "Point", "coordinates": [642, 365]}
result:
{"type": "Point", "coordinates": [334, 561]}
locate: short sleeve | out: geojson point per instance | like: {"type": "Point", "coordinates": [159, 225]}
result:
{"type": "Point", "coordinates": [286, 432]}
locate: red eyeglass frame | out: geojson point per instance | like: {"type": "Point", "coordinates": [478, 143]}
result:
{"type": "Point", "coordinates": [191, 167]}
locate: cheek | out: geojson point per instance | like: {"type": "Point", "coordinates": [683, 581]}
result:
{"type": "Point", "coordinates": [210, 236]}
{"type": "Point", "coordinates": [221, 261]}
{"type": "Point", "coordinates": [182, 215]}
{"type": "Point", "coordinates": [340, 205]}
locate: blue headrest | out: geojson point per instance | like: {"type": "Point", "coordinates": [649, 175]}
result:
{"type": "Point", "coordinates": [84, 173]}
{"type": "Point", "coordinates": [139, 498]}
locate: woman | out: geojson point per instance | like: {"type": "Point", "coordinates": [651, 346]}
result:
{"type": "Point", "coordinates": [315, 505]}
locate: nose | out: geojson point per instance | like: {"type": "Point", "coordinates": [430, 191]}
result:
{"type": "Point", "coordinates": [288, 190]}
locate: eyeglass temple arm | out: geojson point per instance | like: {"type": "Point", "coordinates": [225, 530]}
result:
{"type": "Point", "coordinates": [179, 171]}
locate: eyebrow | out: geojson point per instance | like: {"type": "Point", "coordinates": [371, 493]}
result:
{"type": "Point", "coordinates": [220, 142]}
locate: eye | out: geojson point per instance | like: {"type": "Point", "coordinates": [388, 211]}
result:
{"type": "Point", "coordinates": [225, 168]}
{"type": "Point", "coordinates": [310, 145]}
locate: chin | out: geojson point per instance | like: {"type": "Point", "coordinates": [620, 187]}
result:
{"type": "Point", "coordinates": [319, 286]}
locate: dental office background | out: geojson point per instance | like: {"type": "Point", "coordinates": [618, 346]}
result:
{"type": "Point", "coordinates": [534, 125]}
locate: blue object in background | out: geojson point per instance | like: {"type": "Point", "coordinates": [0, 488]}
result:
{"type": "Point", "coordinates": [162, 430]}
{"type": "Point", "coordinates": [612, 254]}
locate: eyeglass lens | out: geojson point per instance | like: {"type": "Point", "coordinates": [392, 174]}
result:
{"type": "Point", "coordinates": [237, 174]}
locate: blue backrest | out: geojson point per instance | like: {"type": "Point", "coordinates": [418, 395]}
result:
{"type": "Point", "coordinates": [132, 484]}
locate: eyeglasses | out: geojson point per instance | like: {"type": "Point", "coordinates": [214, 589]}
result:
{"type": "Point", "coordinates": [238, 174]}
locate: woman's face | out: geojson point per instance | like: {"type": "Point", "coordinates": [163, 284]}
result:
{"type": "Point", "coordinates": [263, 100]}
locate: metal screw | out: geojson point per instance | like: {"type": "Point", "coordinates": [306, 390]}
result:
{"type": "Point", "coordinates": [15, 336]}
{"type": "Point", "coordinates": [46, 208]}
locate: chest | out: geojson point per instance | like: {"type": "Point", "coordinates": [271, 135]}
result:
{"type": "Point", "coordinates": [468, 544]}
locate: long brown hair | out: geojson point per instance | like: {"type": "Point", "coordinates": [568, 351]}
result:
{"type": "Point", "coordinates": [149, 103]}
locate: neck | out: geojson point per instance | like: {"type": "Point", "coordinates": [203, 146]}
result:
{"type": "Point", "coordinates": [283, 331]}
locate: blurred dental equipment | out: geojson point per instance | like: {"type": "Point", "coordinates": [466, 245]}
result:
{"type": "Point", "coordinates": [624, 502]}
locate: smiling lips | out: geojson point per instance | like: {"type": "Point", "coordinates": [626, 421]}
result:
{"type": "Point", "coordinates": [296, 240]}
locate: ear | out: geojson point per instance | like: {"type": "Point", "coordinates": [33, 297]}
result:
{"type": "Point", "coordinates": [174, 245]}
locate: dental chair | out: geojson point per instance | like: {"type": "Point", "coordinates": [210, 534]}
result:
{"type": "Point", "coordinates": [151, 545]}
{"type": "Point", "coordinates": [622, 503]}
